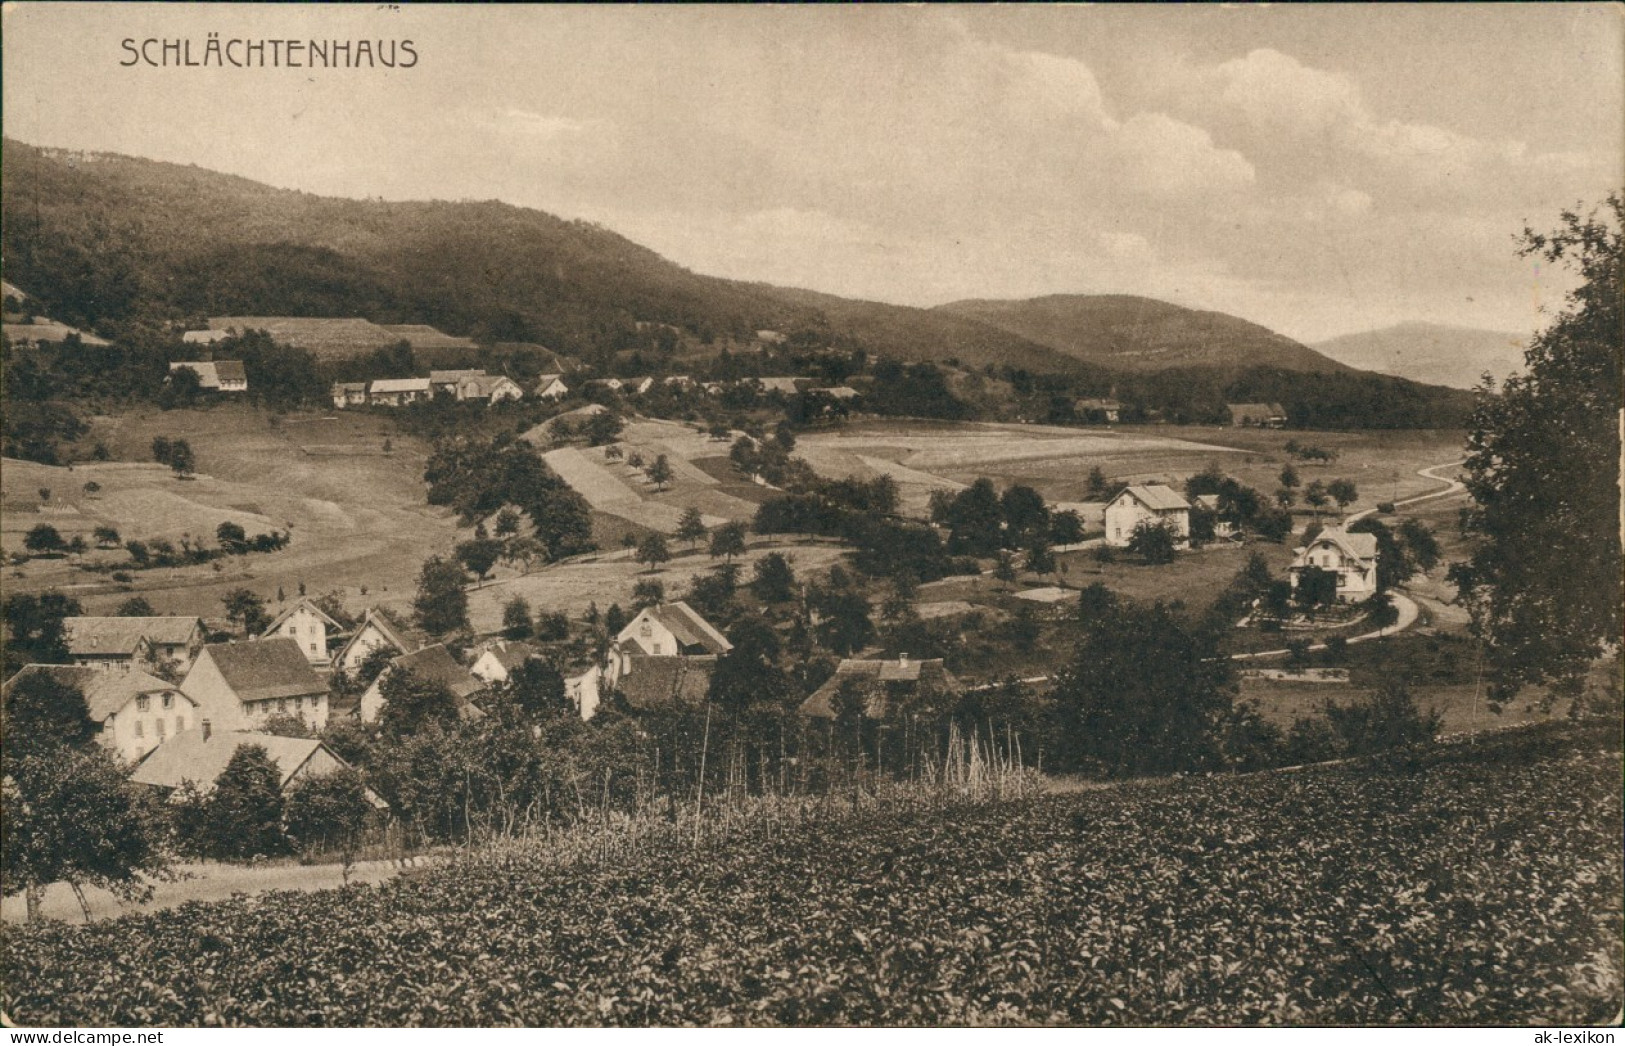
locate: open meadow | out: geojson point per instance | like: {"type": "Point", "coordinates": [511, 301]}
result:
{"type": "Point", "coordinates": [356, 513]}
{"type": "Point", "coordinates": [1056, 461]}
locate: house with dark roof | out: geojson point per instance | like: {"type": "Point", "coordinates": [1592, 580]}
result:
{"type": "Point", "coordinates": [216, 376]}
{"type": "Point", "coordinates": [349, 394]}
{"type": "Point", "coordinates": [498, 660]}
{"type": "Point", "coordinates": [672, 628]}
{"type": "Point", "coordinates": [378, 628]}
{"type": "Point", "coordinates": [126, 642]}
{"type": "Point", "coordinates": [1154, 503]}
{"type": "Point", "coordinates": [308, 625]}
{"type": "Point", "coordinates": [197, 757]}
{"type": "Point", "coordinates": [133, 711]}
{"type": "Point", "coordinates": [1256, 415]}
{"type": "Point", "coordinates": [397, 392]}
{"type": "Point", "coordinates": [882, 686]}
{"type": "Point", "coordinates": [434, 664]}
{"type": "Point", "coordinates": [239, 686]}
{"type": "Point", "coordinates": [489, 388]}
{"type": "Point", "coordinates": [665, 682]}
{"type": "Point", "coordinates": [1352, 557]}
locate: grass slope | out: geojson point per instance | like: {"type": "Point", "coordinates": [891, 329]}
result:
{"type": "Point", "coordinates": [1475, 884]}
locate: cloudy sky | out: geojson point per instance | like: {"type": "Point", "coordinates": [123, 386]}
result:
{"type": "Point", "coordinates": [1319, 170]}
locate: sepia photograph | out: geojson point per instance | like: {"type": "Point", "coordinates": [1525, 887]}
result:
{"type": "Point", "coordinates": [882, 516]}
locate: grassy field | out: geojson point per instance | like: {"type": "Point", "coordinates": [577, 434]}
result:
{"type": "Point", "coordinates": [1472, 884]}
{"type": "Point", "coordinates": [357, 515]}
{"type": "Point", "coordinates": [1057, 461]}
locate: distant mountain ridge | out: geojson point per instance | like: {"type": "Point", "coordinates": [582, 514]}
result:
{"type": "Point", "coordinates": [1431, 353]}
{"type": "Point", "coordinates": [1126, 332]}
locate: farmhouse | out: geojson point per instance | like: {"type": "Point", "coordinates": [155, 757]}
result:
{"type": "Point", "coordinates": [126, 642]}
{"type": "Point", "coordinates": [881, 685]}
{"type": "Point", "coordinates": [434, 664]}
{"type": "Point", "coordinates": [1256, 415]}
{"type": "Point", "coordinates": [661, 682]}
{"type": "Point", "coordinates": [1352, 557]}
{"type": "Point", "coordinates": [493, 388]}
{"type": "Point", "coordinates": [671, 628]}
{"type": "Point", "coordinates": [784, 386]}
{"type": "Point", "coordinates": [241, 685]}
{"type": "Point", "coordinates": [378, 628]}
{"type": "Point", "coordinates": [445, 381]}
{"type": "Point", "coordinates": [219, 376]}
{"type": "Point", "coordinates": [1146, 504]}
{"type": "Point", "coordinates": [498, 660]}
{"type": "Point", "coordinates": [133, 711]}
{"type": "Point", "coordinates": [1098, 410]}
{"type": "Point", "coordinates": [308, 625]}
{"type": "Point", "coordinates": [397, 392]}
{"type": "Point", "coordinates": [349, 394]}
{"type": "Point", "coordinates": [585, 682]}
{"type": "Point", "coordinates": [198, 756]}
{"type": "Point", "coordinates": [551, 387]}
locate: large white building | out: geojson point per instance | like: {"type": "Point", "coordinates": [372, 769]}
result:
{"type": "Point", "coordinates": [1148, 504]}
{"type": "Point", "coordinates": [1352, 557]}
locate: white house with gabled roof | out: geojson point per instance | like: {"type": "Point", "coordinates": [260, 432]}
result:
{"type": "Point", "coordinates": [1154, 503]}
{"type": "Point", "coordinates": [1352, 557]}
{"type": "Point", "coordinates": [308, 625]}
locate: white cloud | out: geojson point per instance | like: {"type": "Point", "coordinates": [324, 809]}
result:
{"type": "Point", "coordinates": [1169, 157]}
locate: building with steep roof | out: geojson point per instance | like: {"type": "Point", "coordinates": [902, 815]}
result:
{"type": "Point", "coordinates": [672, 628]}
{"type": "Point", "coordinates": [308, 625]}
{"type": "Point", "coordinates": [378, 628]}
{"type": "Point", "coordinates": [133, 711]}
{"type": "Point", "coordinates": [126, 642]}
{"type": "Point", "coordinates": [197, 757]}
{"type": "Point", "coordinates": [239, 686]}
{"type": "Point", "coordinates": [1154, 503]}
{"type": "Point", "coordinates": [499, 659]}
{"type": "Point", "coordinates": [1352, 557]}
{"type": "Point", "coordinates": [433, 664]}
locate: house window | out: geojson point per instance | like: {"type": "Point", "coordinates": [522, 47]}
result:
{"type": "Point", "coordinates": [647, 630]}
{"type": "Point", "coordinates": [313, 648]}
{"type": "Point", "coordinates": [140, 730]}
{"type": "Point", "coordinates": [169, 701]}
{"type": "Point", "coordinates": [180, 723]}
{"type": "Point", "coordinates": [657, 649]}
{"type": "Point", "coordinates": [142, 702]}
{"type": "Point", "coordinates": [281, 704]}
{"type": "Point", "coordinates": [160, 725]}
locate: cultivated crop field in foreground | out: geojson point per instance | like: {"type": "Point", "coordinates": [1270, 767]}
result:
{"type": "Point", "coordinates": [1479, 883]}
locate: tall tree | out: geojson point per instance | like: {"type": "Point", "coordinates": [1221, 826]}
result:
{"type": "Point", "coordinates": [652, 551]}
{"type": "Point", "coordinates": [691, 527]}
{"type": "Point", "coordinates": [245, 609]}
{"type": "Point", "coordinates": [1542, 466]}
{"type": "Point", "coordinates": [441, 605]}
{"type": "Point", "coordinates": [728, 540]}
{"type": "Point", "coordinates": [243, 814]}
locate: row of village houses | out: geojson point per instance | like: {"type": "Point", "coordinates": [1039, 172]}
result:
{"type": "Point", "coordinates": [228, 692]}
{"type": "Point", "coordinates": [173, 734]}
{"type": "Point", "coordinates": [495, 388]}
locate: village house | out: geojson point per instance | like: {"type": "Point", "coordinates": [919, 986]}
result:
{"type": "Point", "coordinates": [308, 625]}
{"type": "Point", "coordinates": [783, 386]}
{"type": "Point", "coordinates": [551, 387]}
{"type": "Point", "coordinates": [1146, 504]}
{"type": "Point", "coordinates": [841, 393]}
{"type": "Point", "coordinates": [198, 756]}
{"type": "Point", "coordinates": [499, 659]}
{"type": "Point", "coordinates": [585, 683]}
{"type": "Point", "coordinates": [1352, 557]}
{"type": "Point", "coordinates": [219, 376]}
{"type": "Point", "coordinates": [397, 392]}
{"type": "Point", "coordinates": [1256, 415]}
{"type": "Point", "coordinates": [239, 686]}
{"type": "Point", "coordinates": [881, 684]}
{"type": "Point", "coordinates": [434, 664]}
{"type": "Point", "coordinates": [661, 682]}
{"type": "Point", "coordinates": [378, 628]}
{"type": "Point", "coordinates": [208, 337]}
{"type": "Point", "coordinates": [492, 388]}
{"type": "Point", "coordinates": [1098, 410]}
{"type": "Point", "coordinates": [679, 381]}
{"type": "Point", "coordinates": [349, 394]}
{"type": "Point", "coordinates": [133, 711]}
{"type": "Point", "coordinates": [444, 382]}
{"type": "Point", "coordinates": [671, 628]}
{"type": "Point", "coordinates": [126, 642]}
